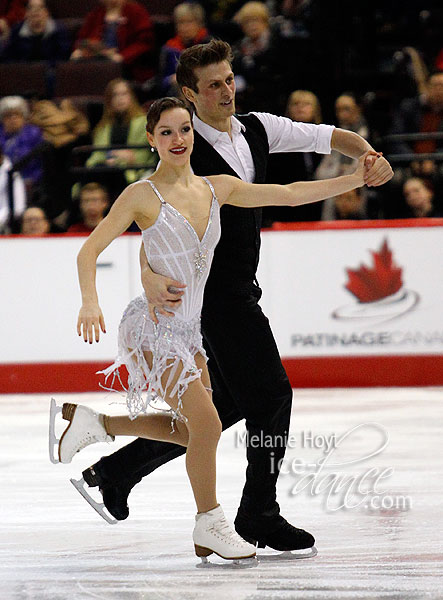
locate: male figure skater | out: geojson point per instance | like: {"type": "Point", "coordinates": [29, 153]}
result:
{"type": "Point", "coordinates": [247, 376]}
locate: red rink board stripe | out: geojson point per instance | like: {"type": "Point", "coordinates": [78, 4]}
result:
{"type": "Point", "coordinates": [365, 371]}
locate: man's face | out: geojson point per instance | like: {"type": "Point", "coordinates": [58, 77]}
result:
{"type": "Point", "coordinates": [215, 98]}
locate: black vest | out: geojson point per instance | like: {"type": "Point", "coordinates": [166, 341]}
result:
{"type": "Point", "coordinates": [237, 253]}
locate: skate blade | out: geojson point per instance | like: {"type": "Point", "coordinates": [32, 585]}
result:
{"type": "Point", "coordinates": [289, 555]}
{"type": "Point", "coordinates": [100, 508]}
{"type": "Point", "coordinates": [53, 440]}
{"type": "Point", "coordinates": [238, 563]}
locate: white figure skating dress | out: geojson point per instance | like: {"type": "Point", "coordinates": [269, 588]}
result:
{"type": "Point", "coordinates": [173, 249]}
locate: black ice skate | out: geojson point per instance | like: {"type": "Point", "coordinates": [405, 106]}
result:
{"type": "Point", "coordinates": [99, 507]}
{"type": "Point", "coordinates": [292, 542]}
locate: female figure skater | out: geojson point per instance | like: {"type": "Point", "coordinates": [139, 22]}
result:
{"type": "Point", "coordinates": [178, 214]}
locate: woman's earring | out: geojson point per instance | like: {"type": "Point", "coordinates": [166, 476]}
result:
{"type": "Point", "coordinates": [152, 148]}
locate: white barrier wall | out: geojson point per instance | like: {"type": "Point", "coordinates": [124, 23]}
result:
{"type": "Point", "coordinates": [305, 273]}
{"type": "Point", "coordinates": [40, 297]}
{"type": "Point", "coordinates": [393, 306]}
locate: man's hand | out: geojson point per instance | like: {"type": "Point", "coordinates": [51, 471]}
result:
{"type": "Point", "coordinates": [378, 170]}
{"type": "Point", "coordinates": [162, 293]}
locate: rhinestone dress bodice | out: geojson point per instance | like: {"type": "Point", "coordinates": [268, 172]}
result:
{"type": "Point", "coordinates": [173, 249]}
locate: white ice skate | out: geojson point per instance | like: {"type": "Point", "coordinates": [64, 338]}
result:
{"type": "Point", "coordinates": [213, 534]}
{"type": "Point", "coordinates": [85, 428]}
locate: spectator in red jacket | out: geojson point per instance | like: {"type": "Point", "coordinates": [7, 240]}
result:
{"type": "Point", "coordinates": [189, 21]}
{"type": "Point", "coordinates": [11, 13]}
{"type": "Point", "coordinates": [121, 31]}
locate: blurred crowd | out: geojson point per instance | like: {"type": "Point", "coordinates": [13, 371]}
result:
{"type": "Point", "coordinates": [65, 157]}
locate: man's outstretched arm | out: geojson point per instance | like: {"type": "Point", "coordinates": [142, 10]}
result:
{"type": "Point", "coordinates": [351, 144]}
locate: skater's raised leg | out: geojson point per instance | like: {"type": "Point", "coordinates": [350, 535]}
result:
{"type": "Point", "coordinates": [200, 432]}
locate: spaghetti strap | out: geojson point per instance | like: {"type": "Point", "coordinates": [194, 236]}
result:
{"type": "Point", "coordinates": [157, 193]}
{"type": "Point", "coordinates": [211, 187]}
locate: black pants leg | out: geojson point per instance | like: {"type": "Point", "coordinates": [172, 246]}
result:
{"type": "Point", "coordinates": [240, 339]}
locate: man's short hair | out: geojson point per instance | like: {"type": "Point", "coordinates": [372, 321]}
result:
{"type": "Point", "coordinates": [201, 55]}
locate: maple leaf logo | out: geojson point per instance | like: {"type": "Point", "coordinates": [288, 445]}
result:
{"type": "Point", "coordinates": [382, 280]}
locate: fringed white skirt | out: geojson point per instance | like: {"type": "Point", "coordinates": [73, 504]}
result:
{"type": "Point", "coordinates": [173, 344]}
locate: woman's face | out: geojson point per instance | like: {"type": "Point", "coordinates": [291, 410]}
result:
{"type": "Point", "coordinates": [416, 194]}
{"type": "Point", "coordinates": [187, 28]}
{"type": "Point", "coordinates": [121, 98]}
{"type": "Point", "coordinates": [301, 109]}
{"type": "Point", "coordinates": [254, 27]}
{"type": "Point", "coordinates": [13, 121]}
{"type": "Point", "coordinates": [173, 136]}
{"type": "Point", "coordinates": [347, 111]}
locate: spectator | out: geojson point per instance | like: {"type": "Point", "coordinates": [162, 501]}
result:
{"type": "Point", "coordinates": [348, 116]}
{"type": "Point", "coordinates": [286, 167]}
{"type": "Point", "coordinates": [35, 221]}
{"type": "Point", "coordinates": [348, 206]}
{"type": "Point", "coordinates": [38, 37]}
{"type": "Point", "coordinates": [18, 190]}
{"type": "Point", "coordinates": [94, 202]}
{"type": "Point", "coordinates": [260, 61]}
{"type": "Point", "coordinates": [304, 106]}
{"type": "Point", "coordinates": [419, 196]}
{"type": "Point", "coordinates": [11, 12]}
{"type": "Point", "coordinates": [189, 20]}
{"type": "Point", "coordinates": [422, 114]}
{"type": "Point", "coordinates": [121, 31]}
{"type": "Point", "coordinates": [63, 127]}
{"type": "Point", "coordinates": [123, 123]}
{"type": "Point", "coordinates": [18, 138]}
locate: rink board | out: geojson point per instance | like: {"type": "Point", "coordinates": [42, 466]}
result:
{"type": "Point", "coordinates": [327, 290]}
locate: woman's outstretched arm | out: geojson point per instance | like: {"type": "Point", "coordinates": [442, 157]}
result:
{"type": "Point", "coordinates": [231, 190]}
{"type": "Point", "coordinates": [123, 212]}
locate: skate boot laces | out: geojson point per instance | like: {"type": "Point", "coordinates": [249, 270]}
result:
{"type": "Point", "coordinates": [223, 531]}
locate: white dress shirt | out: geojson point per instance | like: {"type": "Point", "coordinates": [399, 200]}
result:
{"type": "Point", "coordinates": [283, 134]}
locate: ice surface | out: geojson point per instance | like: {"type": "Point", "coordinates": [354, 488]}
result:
{"type": "Point", "coordinates": [53, 545]}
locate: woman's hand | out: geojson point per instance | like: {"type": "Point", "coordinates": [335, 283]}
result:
{"type": "Point", "coordinates": [90, 321]}
{"type": "Point", "coordinates": [162, 293]}
{"type": "Point", "coordinates": [378, 170]}
{"type": "Point", "coordinates": [365, 164]}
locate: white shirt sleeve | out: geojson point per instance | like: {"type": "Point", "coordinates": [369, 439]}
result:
{"type": "Point", "coordinates": [19, 191]}
{"type": "Point", "coordinates": [285, 135]}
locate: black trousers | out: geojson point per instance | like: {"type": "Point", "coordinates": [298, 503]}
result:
{"type": "Point", "coordinates": [249, 382]}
